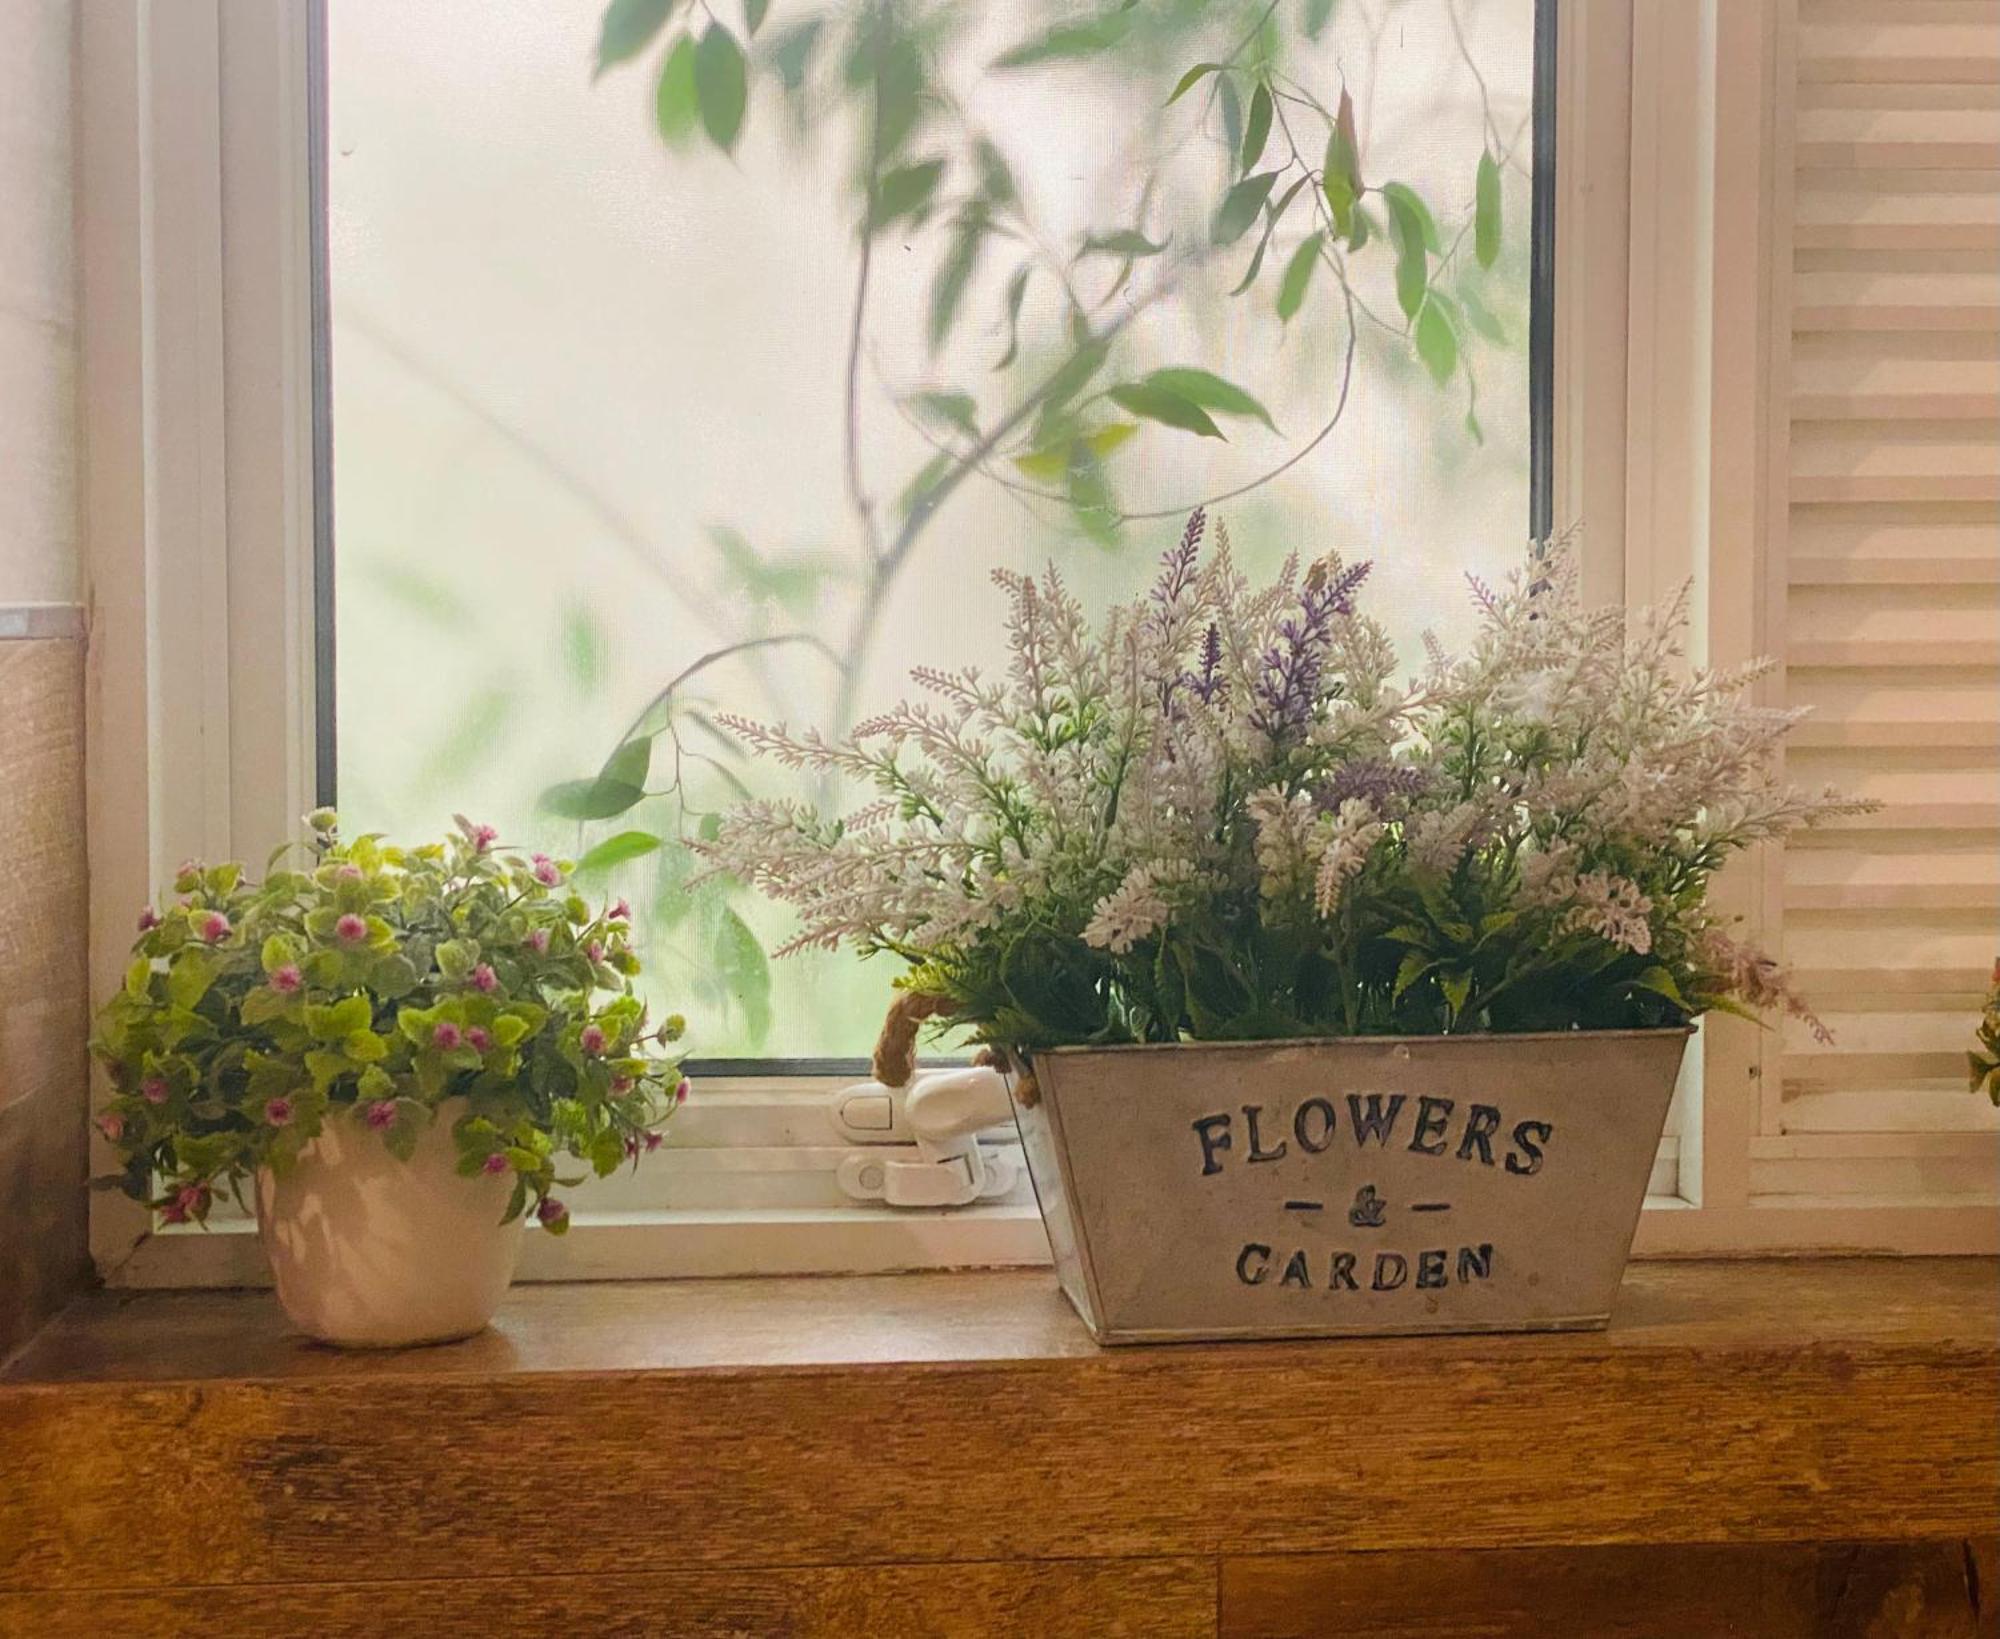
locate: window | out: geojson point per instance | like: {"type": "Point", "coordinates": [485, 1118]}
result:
{"type": "Point", "coordinates": [468, 412]}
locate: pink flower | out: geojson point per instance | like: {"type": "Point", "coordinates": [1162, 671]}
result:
{"type": "Point", "coordinates": [493, 1165]}
{"type": "Point", "coordinates": [188, 1203]}
{"type": "Point", "coordinates": [350, 929]}
{"type": "Point", "coordinates": [538, 941]}
{"type": "Point", "coordinates": [214, 928]}
{"type": "Point", "coordinates": [681, 1092]}
{"type": "Point", "coordinates": [592, 1040]}
{"type": "Point", "coordinates": [478, 1040]}
{"type": "Point", "coordinates": [154, 1089]}
{"type": "Point", "coordinates": [619, 912]}
{"type": "Point", "coordinates": [446, 1035]}
{"type": "Point", "coordinates": [349, 872]}
{"type": "Point", "coordinates": [631, 1148]}
{"type": "Point", "coordinates": [547, 872]}
{"type": "Point", "coordinates": [148, 920]}
{"type": "Point", "coordinates": [551, 1211]}
{"type": "Point", "coordinates": [286, 979]}
{"type": "Point", "coordinates": [112, 1125]}
{"type": "Point", "coordinates": [653, 1142]}
{"type": "Point", "coordinates": [381, 1115]}
{"type": "Point", "coordinates": [278, 1111]}
{"type": "Point", "coordinates": [484, 978]}
{"type": "Point", "coordinates": [595, 950]}
{"type": "Point", "coordinates": [482, 837]}
{"type": "Point", "coordinates": [621, 1084]}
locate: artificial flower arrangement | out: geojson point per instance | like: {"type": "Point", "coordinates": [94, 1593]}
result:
{"type": "Point", "coordinates": [368, 988]}
{"type": "Point", "coordinates": [1984, 1059]}
{"type": "Point", "coordinates": [1217, 817]}
{"type": "Point", "coordinates": [1322, 1003]}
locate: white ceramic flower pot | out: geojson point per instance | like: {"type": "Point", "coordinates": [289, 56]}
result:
{"type": "Point", "coordinates": [370, 1252]}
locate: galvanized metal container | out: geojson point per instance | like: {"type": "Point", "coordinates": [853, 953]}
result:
{"type": "Point", "coordinates": [1340, 1187]}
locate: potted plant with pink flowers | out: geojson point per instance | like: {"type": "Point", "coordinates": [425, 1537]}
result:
{"type": "Point", "coordinates": [396, 1048]}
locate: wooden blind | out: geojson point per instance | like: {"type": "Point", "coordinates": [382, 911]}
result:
{"type": "Point", "coordinates": [1885, 593]}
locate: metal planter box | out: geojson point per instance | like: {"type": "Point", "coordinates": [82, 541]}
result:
{"type": "Point", "coordinates": [1342, 1187]}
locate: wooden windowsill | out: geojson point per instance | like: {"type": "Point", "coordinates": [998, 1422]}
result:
{"type": "Point", "coordinates": [161, 1441]}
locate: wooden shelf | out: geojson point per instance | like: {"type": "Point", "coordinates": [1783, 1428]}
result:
{"type": "Point", "coordinates": [952, 1452]}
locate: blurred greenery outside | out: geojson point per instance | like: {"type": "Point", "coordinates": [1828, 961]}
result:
{"type": "Point", "coordinates": [601, 407]}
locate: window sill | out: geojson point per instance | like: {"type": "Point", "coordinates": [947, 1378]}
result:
{"type": "Point", "coordinates": [669, 1431]}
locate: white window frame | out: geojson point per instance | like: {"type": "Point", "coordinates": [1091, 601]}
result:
{"type": "Point", "coordinates": [197, 322]}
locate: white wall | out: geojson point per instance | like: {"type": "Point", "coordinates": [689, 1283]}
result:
{"type": "Point", "coordinates": [38, 354]}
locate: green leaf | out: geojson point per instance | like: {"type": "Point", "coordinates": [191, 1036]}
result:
{"type": "Point", "coordinates": [793, 51]}
{"type": "Point", "coordinates": [1340, 173]}
{"type": "Point", "coordinates": [1457, 988]}
{"type": "Point", "coordinates": [1153, 402]}
{"type": "Point", "coordinates": [1415, 965]}
{"type": "Point", "coordinates": [1403, 197]}
{"type": "Point", "coordinates": [1126, 242]}
{"type": "Point", "coordinates": [1661, 982]}
{"type": "Point", "coordinates": [1257, 131]}
{"type": "Point", "coordinates": [1412, 265]}
{"type": "Point", "coordinates": [675, 106]}
{"type": "Point", "coordinates": [905, 191]}
{"type": "Point", "coordinates": [1231, 107]}
{"type": "Point", "coordinates": [753, 14]}
{"type": "Point", "coordinates": [953, 274]}
{"type": "Point", "coordinates": [1256, 266]}
{"type": "Point", "coordinates": [1240, 206]}
{"type": "Point", "coordinates": [744, 973]}
{"type": "Point", "coordinates": [1298, 275]}
{"type": "Point", "coordinates": [619, 850]}
{"type": "Point", "coordinates": [1192, 78]}
{"type": "Point", "coordinates": [1480, 316]}
{"type": "Point", "coordinates": [1486, 212]}
{"type": "Point", "coordinates": [628, 28]}
{"type": "Point", "coordinates": [721, 86]}
{"type": "Point", "coordinates": [917, 491]}
{"type": "Point", "coordinates": [958, 410]}
{"type": "Point", "coordinates": [1067, 41]}
{"type": "Point", "coordinates": [1437, 342]}
{"type": "Point", "coordinates": [1017, 291]}
{"type": "Point", "coordinates": [1075, 374]}
{"type": "Point", "coordinates": [1315, 19]}
{"type": "Point", "coordinates": [996, 180]}
{"type": "Point", "coordinates": [1108, 438]}
{"type": "Point", "coordinates": [188, 977]}
{"type": "Point", "coordinates": [1211, 392]}
{"type": "Point", "coordinates": [619, 785]}
{"type": "Point", "coordinates": [582, 648]}
{"type": "Point", "coordinates": [1090, 493]}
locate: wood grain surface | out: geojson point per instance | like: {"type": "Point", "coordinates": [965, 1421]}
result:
{"type": "Point", "coordinates": [1731, 1403]}
{"type": "Point", "coordinates": [1929, 1590]}
{"type": "Point", "coordinates": [1147, 1599]}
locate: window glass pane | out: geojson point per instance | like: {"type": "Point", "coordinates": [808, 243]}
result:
{"type": "Point", "coordinates": [606, 402]}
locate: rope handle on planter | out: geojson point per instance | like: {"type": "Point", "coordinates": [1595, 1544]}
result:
{"type": "Point", "coordinates": [895, 1060]}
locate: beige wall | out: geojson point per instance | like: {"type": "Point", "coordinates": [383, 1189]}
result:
{"type": "Point", "coordinates": [42, 910]}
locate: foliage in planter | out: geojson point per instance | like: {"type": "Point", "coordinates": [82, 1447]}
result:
{"type": "Point", "coordinates": [1984, 1060]}
{"type": "Point", "coordinates": [372, 985]}
{"type": "Point", "coordinates": [1217, 817]}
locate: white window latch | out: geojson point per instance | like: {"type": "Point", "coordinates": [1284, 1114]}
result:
{"type": "Point", "coordinates": [940, 1115]}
